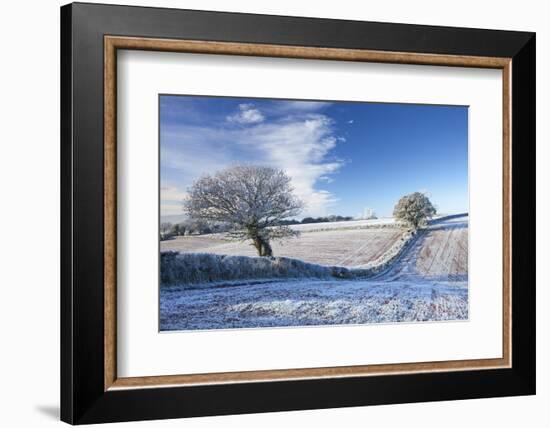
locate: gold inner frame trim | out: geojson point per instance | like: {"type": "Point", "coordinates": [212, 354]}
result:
{"type": "Point", "coordinates": [113, 43]}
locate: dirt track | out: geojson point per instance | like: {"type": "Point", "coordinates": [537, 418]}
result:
{"type": "Point", "coordinates": [440, 252]}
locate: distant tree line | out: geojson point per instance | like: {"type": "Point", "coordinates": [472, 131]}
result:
{"type": "Point", "coordinates": [329, 219]}
{"type": "Point", "coordinates": [197, 227]}
{"type": "Point", "coordinates": [309, 220]}
{"type": "Point", "coordinates": [191, 227]}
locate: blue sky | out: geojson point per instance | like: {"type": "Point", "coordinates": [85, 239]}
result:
{"type": "Point", "coordinates": [342, 157]}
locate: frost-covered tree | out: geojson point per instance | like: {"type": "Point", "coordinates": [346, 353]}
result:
{"type": "Point", "coordinates": [414, 209]}
{"type": "Point", "coordinates": [179, 229]}
{"type": "Point", "coordinates": [165, 231]}
{"type": "Point", "coordinates": [253, 199]}
{"type": "Point", "coordinates": [165, 227]}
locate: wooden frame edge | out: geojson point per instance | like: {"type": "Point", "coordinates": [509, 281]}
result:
{"type": "Point", "coordinates": [507, 213]}
{"type": "Point", "coordinates": [112, 43]}
{"type": "Point", "coordinates": [110, 224]}
{"type": "Point", "coordinates": [300, 374]}
{"type": "Point", "coordinates": [301, 52]}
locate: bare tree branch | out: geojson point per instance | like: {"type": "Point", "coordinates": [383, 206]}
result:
{"type": "Point", "coordinates": [254, 199]}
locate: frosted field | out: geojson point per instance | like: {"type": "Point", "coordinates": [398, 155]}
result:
{"type": "Point", "coordinates": [353, 224]}
{"type": "Point", "coordinates": [440, 253]}
{"type": "Point", "coordinates": [339, 245]}
{"type": "Point", "coordinates": [428, 282]}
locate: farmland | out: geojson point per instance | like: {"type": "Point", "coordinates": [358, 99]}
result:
{"type": "Point", "coordinates": [339, 244]}
{"type": "Point", "coordinates": [428, 281]}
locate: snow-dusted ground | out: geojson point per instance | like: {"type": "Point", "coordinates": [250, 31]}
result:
{"type": "Point", "coordinates": [429, 282]}
{"type": "Point", "coordinates": [352, 224]}
{"type": "Point", "coordinates": [341, 246]}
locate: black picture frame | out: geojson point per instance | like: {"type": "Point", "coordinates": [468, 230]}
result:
{"type": "Point", "coordinates": [83, 398]}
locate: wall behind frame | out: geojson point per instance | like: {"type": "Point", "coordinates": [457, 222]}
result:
{"type": "Point", "coordinates": [29, 165]}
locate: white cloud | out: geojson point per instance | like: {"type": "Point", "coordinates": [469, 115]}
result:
{"type": "Point", "coordinates": [171, 198]}
{"type": "Point", "coordinates": [172, 193]}
{"type": "Point", "coordinates": [300, 147]}
{"type": "Point", "coordinates": [299, 143]}
{"type": "Point", "coordinates": [247, 114]}
{"type": "Point", "coordinates": [193, 150]}
{"type": "Point", "coordinates": [170, 209]}
{"type": "Point", "coordinates": [350, 121]}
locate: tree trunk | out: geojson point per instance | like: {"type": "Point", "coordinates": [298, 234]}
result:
{"type": "Point", "coordinates": [266, 249]}
{"type": "Point", "coordinates": [262, 246]}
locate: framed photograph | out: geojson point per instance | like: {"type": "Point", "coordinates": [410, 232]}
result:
{"type": "Point", "coordinates": [267, 213]}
